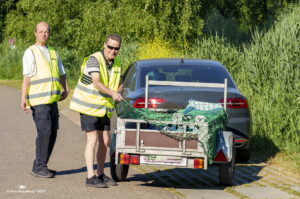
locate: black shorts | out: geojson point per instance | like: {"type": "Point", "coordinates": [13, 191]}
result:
{"type": "Point", "coordinates": [93, 123]}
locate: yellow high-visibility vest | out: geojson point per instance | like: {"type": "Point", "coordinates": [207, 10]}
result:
{"type": "Point", "coordinates": [45, 87]}
{"type": "Point", "coordinates": [90, 101]}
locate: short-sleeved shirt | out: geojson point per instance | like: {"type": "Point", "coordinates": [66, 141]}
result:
{"type": "Point", "coordinates": [29, 65]}
{"type": "Point", "coordinates": [92, 66]}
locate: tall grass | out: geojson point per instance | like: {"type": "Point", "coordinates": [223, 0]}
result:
{"type": "Point", "coordinates": [269, 75]}
{"type": "Point", "coordinates": [218, 49]}
{"type": "Point", "coordinates": [267, 71]}
{"type": "Point", "coordinates": [71, 64]}
{"type": "Point", "coordinates": [128, 53]}
{"type": "Point", "coordinates": [10, 62]}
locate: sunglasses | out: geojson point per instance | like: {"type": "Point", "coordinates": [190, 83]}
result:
{"type": "Point", "coordinates": [112, 48]}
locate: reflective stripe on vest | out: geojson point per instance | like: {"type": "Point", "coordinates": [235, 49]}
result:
{"type": "Point", "coordinates": [45, 87]}
{"type": "Point", "coordinates": [87, 99]}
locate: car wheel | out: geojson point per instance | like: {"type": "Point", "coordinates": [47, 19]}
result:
{"type": "Point", "coordinates": [118, 172]}
{"type": "Point", "coordinates": [226, 171]}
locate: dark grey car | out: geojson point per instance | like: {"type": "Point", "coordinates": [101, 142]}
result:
{"type": "Point", "coordinates": [174, 97]}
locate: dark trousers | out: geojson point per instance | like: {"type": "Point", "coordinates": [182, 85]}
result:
{"type": "Point", "coordinates": [45, 117]}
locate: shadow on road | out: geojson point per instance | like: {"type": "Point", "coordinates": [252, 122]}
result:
{"type": "Point", "coordinates": [263, 149]}
{"type": "Point", "coordinates": [185, 178]}
{"type": "Point", "coordinates": [80, 170]}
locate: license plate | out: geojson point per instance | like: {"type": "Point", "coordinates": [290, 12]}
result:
{"type": "Point", "coordinates": [163, 160]}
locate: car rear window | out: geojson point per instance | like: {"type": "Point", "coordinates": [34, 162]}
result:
{"type": "Point", "coordinates": [206, 74]}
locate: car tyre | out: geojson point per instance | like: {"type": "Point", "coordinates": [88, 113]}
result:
{"type": "Point", "coordinates": [118, 172]}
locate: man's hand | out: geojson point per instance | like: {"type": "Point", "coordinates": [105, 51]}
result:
{"type": "Point", "coordinates": [116, 96]}
{"type": "Point", "coordinates": [64, 95]}
{"type": "Point", "coordinates": [24, 105]}
{"type": "Point", "coordinates": [25, 87]}
{"type": "Point", "coordinates": [64, 83]}
{"type": "Point", "coordinates": [102, 88]}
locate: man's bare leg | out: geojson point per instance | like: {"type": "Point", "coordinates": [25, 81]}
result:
{"type": "Point", "coordinates": [103, 140]}
{"type": "Point", "coordinates": [91, 141]}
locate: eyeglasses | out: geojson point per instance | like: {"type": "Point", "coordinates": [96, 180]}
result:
{"type": "Point", "coordinates": [112, 48]}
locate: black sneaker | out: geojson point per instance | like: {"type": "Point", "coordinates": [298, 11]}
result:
{"type": "Point", "coordinates": [43, 173]}
{"type": "Point", "coordinates": [52, 171]}
{"type": "Point", "coordinates": [107, 180]}
{"type": "Point", "coordinates": [95, 182]}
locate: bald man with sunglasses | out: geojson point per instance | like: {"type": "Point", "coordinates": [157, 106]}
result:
{"type": "Point", "coordinates": [97, 89]}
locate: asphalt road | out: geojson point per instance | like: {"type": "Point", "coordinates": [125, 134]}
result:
{"type": "Point", "coordinates": [17, 137]}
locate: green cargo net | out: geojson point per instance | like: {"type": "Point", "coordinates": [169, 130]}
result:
{"type": "Point", "coordinates": [199, 121]}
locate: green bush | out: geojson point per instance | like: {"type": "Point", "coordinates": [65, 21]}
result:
{"type": "Point", "coordinates": [62, 16]}
{"type": "Point", "coordinates": [84, 24]}
{"type": "Point", "coordinates": [217, 24]}
{"type": "Point", "coordinates": [101, 18]}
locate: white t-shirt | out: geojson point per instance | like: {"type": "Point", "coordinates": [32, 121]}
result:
{"type": "Point", "coordinates": [29, 65]}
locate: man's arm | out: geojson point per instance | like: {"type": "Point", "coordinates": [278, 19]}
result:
{"type": "Point", "coordinates": [25, 88]}
{"type": "Point", "coordinates": [64, 83]}
{"type": "Point", "coordinates": [121, 87]}
{"type": "Point", "coordinates": [102, 88]}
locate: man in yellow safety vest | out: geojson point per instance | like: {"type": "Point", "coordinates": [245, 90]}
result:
{"type": "Point", "coordinates": [44, 83]}
{"type": "Point", "coordinates": [97, 89]}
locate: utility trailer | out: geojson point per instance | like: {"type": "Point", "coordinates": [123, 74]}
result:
{"type": "Point", "coordinates": [140, 146]}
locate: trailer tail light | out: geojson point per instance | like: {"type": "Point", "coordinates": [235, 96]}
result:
{"type": "Point", "coordinates": [124, 158]}
{"type": "Point", "coordinates": [235, 102]}
{"type": "Point", "coordinates": [198, 163]}
{"type": "Point", "coordinates": [220, 157]}
{"type": "Point", "coordinates": [134, 159]}
{"type": "Point", "coordinates": [129, 159]}
{"type": "Point", "coordinates": [152, 102]}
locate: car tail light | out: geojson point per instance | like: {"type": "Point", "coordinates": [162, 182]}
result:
{"type": "Point", "coordinates": [129, 159]}
{"type": "Point", "coordinates": [220, 157]}
{"type": "Point", "coordinates": [152, 102]}
{"type": "Point", "coordinates": [235, 102]}
{"type": "Point", "coordinates": [199, 163]}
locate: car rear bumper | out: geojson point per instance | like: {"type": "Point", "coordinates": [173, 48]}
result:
{"type": "Point", "coordinates": [241, 128]}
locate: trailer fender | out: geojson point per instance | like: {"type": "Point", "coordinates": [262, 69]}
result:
{"type": "Point", "coordinates": [225, 143]}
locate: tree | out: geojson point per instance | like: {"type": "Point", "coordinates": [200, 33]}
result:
{"type": "Point", "coordinates": [5, 7]}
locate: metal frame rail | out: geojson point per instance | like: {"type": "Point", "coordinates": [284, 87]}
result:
{"type": "Point", "coordinates": [192, 84]}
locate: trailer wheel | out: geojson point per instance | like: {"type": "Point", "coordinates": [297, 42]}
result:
{"type": "Point", "coordinates": [226, 171]}
{"type": "Point", "coordinates": [118, 172]}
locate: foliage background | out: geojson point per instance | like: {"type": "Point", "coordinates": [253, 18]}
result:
{"type": "Point", "coordinates": [258, 41]}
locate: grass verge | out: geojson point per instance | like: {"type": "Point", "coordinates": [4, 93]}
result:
{"type": "Point", "coordinates": [290, 162]}
{"type": "Point", "coordinates": [17, 84]}
{"type": "Point", "coordinates": [12, 83]}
